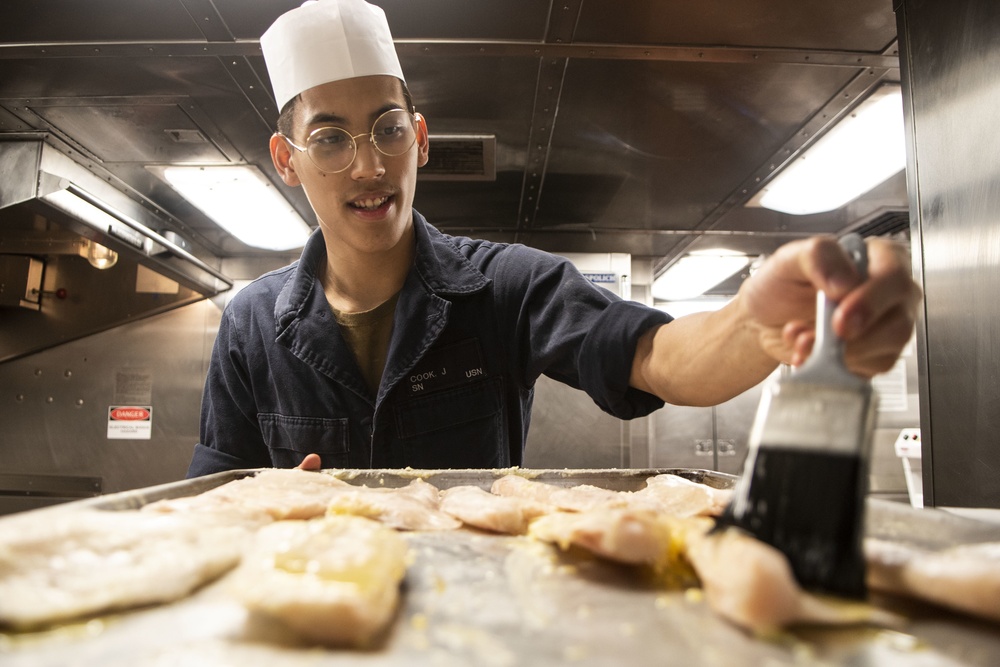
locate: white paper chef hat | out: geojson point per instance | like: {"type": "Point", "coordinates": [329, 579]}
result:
{"type": "Point", "coordinates": [324, 41]}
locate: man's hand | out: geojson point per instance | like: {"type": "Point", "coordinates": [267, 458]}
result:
{"type": "Point", "coordinates": [310, 462]}
{"type": "Point", "coordinates": [874, 317]}
{"type": "Point", "coordinates": [708, 358]}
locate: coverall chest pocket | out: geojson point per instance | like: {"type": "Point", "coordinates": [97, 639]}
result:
{"type": "Point", "coordinates": [289, 439]}
{"type": "Point", "coordinates": [462, 427]}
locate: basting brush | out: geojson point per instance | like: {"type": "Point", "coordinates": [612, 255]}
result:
{"type": "Point", "coordinates": [804, 482]}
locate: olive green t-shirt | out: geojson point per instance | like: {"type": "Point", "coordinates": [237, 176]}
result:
{"type": "Point", "coordinates": [368, 334]}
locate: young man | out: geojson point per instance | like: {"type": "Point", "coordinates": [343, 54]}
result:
{"type": "Point", "coordinates": [389, 344]}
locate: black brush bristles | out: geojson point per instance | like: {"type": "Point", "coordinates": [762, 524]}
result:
{"type": "Point", "coordinates": [805, 479]}
{"type": "Point", "coordinates": [810, 506]}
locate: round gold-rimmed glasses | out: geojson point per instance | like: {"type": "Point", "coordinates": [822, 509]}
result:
{"type": "Point", "coordinates": [333, 149]}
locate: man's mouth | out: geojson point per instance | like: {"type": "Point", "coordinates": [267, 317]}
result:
{"type": "Point", "coordinates": [369, 204]}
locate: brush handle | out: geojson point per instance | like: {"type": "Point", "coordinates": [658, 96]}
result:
{"type": "Point", "coordinates": [827, 359]}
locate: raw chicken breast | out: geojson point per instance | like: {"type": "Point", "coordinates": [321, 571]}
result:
{"type": "Point", "coordinates": [574, 498]}
{"type": "Point", "coordinates": [751, 584]}
{"type": "Point", "coordinates": [412, 507]}
{"type": "Point", "coordinates": [62, 565]}
{"type": "Point", "coordinates": [664, 494]}
{"type": "Point", "coordinates": [501, 514]}
{"type": "Point", "coordinates": [680, 497]}
{"type": "Point", "coordinates": [627, 536]}
{"type": "Point", "coordinates": [965, 578]}
{"type": "Point", "coordinates": [333, 580]}
{"type": "Point", "coordinates": [272, 494]}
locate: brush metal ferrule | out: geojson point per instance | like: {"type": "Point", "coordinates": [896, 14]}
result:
{"type": "Point", "coordinates": [799, 415]}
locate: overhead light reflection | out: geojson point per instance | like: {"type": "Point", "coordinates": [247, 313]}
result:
{"type": "Point", "coordinates": [99, 256]}
{"type": "Point", "coordinates": [861, 151]}
{"type": "Point", "coordinates": [242, 201]}
{"type": "Point", "coordinates": [696, 273]}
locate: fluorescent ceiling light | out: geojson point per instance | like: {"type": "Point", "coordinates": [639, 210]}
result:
{"type": "Point", "coordinates": [696, 273]}
{"type": "Point", "coordinates": [241, 201]}
{"type": "Point", "coordinates": [859, 152]}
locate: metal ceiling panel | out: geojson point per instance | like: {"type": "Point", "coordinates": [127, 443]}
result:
{"type": "Point", "coordinates": [620, 127]}
{"type": "Point", "coordinates": [36, 21]}
{"type": "Point", "coordinates": [846, 25]}
{"type": "Point", "coordinates": [128, 132]}
{"type": "Point", "coordinates": [461, 19]}
{"type": "Point", "coordinates": [679, 137]}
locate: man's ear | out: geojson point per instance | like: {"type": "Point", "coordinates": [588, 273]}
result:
{"type": "Point", "coordinates": [281, 156]}
{"type": "Point", "coordinates": [423, 141]}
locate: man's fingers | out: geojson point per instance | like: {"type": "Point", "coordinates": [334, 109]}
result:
{"type": "Point", "coordinates": [890, 295]}
{"type": "Point", "coordinates": [311, 462]}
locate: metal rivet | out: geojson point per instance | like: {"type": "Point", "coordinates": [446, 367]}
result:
{"type": "Point", "coordinates": [68, 373]}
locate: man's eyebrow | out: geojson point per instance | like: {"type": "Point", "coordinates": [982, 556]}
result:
{"type": "Point", "coordinates": [325, 118]}
{"type": "Point", "coordinates": [330, 118]}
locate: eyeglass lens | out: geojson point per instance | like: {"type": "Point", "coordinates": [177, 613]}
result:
{"type": "Point", "coordinates": [332, 149]}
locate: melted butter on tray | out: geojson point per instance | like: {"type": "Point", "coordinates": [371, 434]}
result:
{"type": "Point", "coordinates": [324, 551]}
{"type": "Point", "coordinates": [86, 629]}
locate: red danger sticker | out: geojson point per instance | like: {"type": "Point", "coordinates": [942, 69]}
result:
{"type": "Point", "coordinates": [129, 414]}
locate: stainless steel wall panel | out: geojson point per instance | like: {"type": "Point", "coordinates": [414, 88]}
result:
{"type": "Point", "coordinates": [682, 437]}
{"type": "Point", "coordinates": [569, 431]}
{"type": "Point", "coordinates": [54, 405]}
{"type": "Point", "coordinates": [951, 56]}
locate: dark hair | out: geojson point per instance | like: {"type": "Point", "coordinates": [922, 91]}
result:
{"type": "Point", "coordinates": [287, 114]}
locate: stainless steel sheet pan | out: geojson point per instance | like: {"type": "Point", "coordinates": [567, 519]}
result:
{"type": "Point", "coordinates": [472, 598]}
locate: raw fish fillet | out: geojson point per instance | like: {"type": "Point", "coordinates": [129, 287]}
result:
{"type": "Point", "coordinates": [627, 536]}
{"type": "Point", "coordinates": [412, 507]}
{"type": "Point", "coordinates": [751, 584]}
{"type": "Point", "coordinates": [272, 494]}
{"type": "Point", "coordinates": [66, 564]}
{"type": "Point", "coordinates": [501, 514]}
{"type": "Point", "coordinates": [964, 578]}
{"type": "Point", "coordinates": [333, 580]}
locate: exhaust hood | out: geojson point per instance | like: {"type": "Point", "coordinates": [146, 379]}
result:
{"type": "Point", "coordinates": [37, 176]}
{"type": "Point", "coordinates": [53, 210]}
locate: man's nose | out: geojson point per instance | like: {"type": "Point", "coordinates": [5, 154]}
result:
{"type": "Point", "coordinates": [368, 159]}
